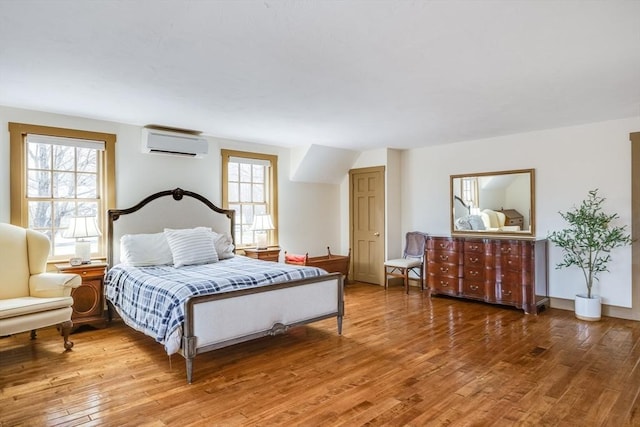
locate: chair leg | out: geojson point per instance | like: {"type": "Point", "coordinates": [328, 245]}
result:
{"type": "Point", "coordinates": [384, 277]}
{"type": "Point", "coordinates": [406, 280]}
{"type": "Point", "coordinates": [65, 330]}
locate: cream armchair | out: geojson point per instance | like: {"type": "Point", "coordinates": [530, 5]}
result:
{"type": "Point", "coordinates": [31, 298]}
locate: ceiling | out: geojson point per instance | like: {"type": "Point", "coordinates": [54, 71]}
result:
{"type": "Point", "coordinates": [350, 74]}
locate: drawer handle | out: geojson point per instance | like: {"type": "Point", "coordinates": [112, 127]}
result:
{"type": "Point", "coordinates": [474, 259]}
{"type": "Point", "coordinates": [509, 262]}
{"type": "Point", "coordinates": [444, 269]}
{"type": "Point", "coordinates": [444, 257]}
{"type": "Point", "coordinates": [506, 292]}
{"type": "Point", "coordinates": [84, 272]}
{"type": "Point", "coordinates": [443, 245]}
{"type": "Point", "coordinates": [474, 247]}
{"type": "Point", "coordinates": [473, 273]}
{"type": "Point", "coordinates": [474, 287]}
{"type": "Point", "coordinates": [506, 249]}
{"type": "Point", "coordinates": [444, 284]}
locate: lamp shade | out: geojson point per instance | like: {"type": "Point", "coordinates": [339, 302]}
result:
{"type": "Point", "coordinates": [262, 223]}
{"type": "Point", "coordinates": [81, 227]}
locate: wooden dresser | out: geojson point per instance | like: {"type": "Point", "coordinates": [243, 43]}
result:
{"type": "Point", "coordinates": [507, 271]}
{"type": "Point", "coordinates": [513, 217]}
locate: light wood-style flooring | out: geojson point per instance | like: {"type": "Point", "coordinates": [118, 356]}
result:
{"type": "Point", "coordinates": [402, 360]}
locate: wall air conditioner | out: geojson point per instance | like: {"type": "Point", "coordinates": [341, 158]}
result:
{"type": "Point", "coordinates": [173, 143]}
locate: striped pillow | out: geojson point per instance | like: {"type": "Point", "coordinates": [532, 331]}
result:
{"type": "Point", "coordinates": [191, 246]}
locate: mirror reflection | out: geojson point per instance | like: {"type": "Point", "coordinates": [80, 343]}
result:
{"type": "Point", "coordinates": [493, 202]}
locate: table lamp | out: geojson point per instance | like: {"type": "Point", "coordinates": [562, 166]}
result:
{"type": "Point", "coordinates": [261, 224]}
{"type": "Point", "coordinates": [80, 228]}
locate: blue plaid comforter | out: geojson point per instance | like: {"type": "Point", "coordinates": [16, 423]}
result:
{"type": "Point", "coordinates": [152, 299]}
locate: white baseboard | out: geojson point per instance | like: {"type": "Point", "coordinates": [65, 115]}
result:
{"type": "Point", "coordinates": [607, 310]}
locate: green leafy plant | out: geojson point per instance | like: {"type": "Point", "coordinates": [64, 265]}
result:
{"type": "Point", "coordinates": [589, 239]}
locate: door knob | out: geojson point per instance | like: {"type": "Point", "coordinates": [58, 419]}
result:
{"type": "Point", "coordinates": [376, 234]}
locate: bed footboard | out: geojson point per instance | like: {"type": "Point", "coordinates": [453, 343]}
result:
{"type": "Point", "coordinates": [252, 313]}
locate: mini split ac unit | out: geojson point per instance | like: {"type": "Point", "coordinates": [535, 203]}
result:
{"type": "Point", "coordinates": [173, 143]}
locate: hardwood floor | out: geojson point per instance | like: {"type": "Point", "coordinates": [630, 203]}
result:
{"type": "Point", "coordinates": [403, 360]}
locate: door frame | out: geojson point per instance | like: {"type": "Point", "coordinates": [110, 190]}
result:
{"type": "Point", "coordinates": [634, 312]}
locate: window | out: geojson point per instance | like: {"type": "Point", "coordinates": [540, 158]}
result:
{"type": "Point", "coordinates": [249, 187]}
{"type": "Point", "coordinates": [57, 174]}
{"type": "Point", "coordinates": [470, 191]}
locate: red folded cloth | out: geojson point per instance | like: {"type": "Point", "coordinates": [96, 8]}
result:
{"type": "Point", "coordinates": [295, 258]}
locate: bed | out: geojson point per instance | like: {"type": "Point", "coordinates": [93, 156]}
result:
{"type": "Point", "coordinates": [192, 308]}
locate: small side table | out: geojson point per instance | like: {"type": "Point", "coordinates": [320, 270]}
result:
{"type": "Point", "coordinates": [88, 298]}
{"type": "Point", "coordinates": [269, 254]}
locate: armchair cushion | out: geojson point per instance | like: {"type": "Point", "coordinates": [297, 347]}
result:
{"type": "Point", "coordinates": [27, 305]}
{"type": "Point", "coordinates": [51, 285]}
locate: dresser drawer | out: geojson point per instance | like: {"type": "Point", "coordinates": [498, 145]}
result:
{"type": "Point", "coordinates": [513, 217]}
{"type": "Point", "coordinates": [514, 221]}
{"type": "Point", "coordinates": [511, 263]}
{"type": "Point", "coordinates": [437, 256]}
{"type": "Point", "coordinates": [442, 244]}
{"type": "Point", "coordinates": [508, 248]}
{"type": "Point", "coordinates": [474, 259]}
{"type": "Point", "coordinates": [474, 273]}
{"type": "Point", "coordinates": [515, 277]}
{"type": "Point", "coordinates": [443, 269]}
{"type": "Point", "coordinates": [443, 285]}
{"type": "Point", "coordinates": [473, 247]}
{"type": "Point", "coordinates": [473, 289]}
{"type": "Point", "coordinates": [507, 293]}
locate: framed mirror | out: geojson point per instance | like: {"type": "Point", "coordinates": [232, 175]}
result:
{"type": "Point", "coordinates": [501, 203]}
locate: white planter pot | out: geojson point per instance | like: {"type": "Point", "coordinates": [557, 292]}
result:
{"type": "Point", "coordinates": [588, 308]}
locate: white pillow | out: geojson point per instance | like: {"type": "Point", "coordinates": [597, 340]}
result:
{"type": "Point", "coordinates": [224, 245]}
{"type": "Point", "coordinates": [191, 246]}
{"type": "Point", "coordinates": [139, 250]}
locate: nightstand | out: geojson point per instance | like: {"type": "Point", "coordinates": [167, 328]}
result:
{"type": "Point", "coordinates": [88, 298]}
{"type": "Point", "coordinates": [269, 254]}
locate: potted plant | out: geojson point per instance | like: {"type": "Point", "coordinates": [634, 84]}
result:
{"type": "Point", "coordinates": [587, 243]}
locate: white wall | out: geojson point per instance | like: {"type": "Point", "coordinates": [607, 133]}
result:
{"type": "Point", "coordinates": [304, 224]}
{"type": "Point", "coordinates": [568, 162]}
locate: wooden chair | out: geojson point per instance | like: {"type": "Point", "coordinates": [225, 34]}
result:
{"type": "Point", "coordinates": [412, 261]}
